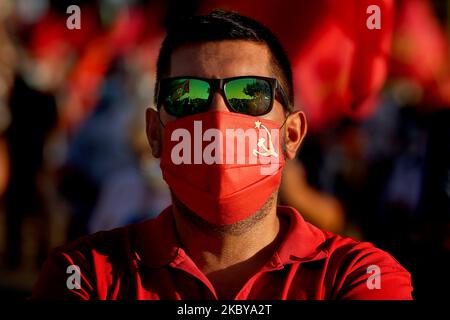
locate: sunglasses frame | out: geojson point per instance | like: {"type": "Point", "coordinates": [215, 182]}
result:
{"type": "Point", "coordinates": [219, 85]}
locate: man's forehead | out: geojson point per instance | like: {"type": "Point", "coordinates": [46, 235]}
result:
{"type": "Point", "coordinates": [221, 59]}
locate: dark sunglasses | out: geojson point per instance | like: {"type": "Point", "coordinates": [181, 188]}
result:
{"type": "Point", "coordinates": [250, 95]}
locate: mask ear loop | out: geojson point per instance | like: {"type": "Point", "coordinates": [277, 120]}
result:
{"type": "Point", "coordinates": [284, 122]}
{"type": "Point", "coordinates": [285, 119]}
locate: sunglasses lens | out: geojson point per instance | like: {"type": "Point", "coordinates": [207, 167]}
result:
{"type": "Point", "coordinates": [250, 96]}
{"type": "Point", "coordinates": [183, 97]}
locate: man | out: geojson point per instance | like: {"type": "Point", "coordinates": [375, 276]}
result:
{"type": "Point", "coordinates": [224, 236]}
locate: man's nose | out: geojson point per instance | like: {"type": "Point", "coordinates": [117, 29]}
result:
{"type": "Point", "coordinates": [218, 103]}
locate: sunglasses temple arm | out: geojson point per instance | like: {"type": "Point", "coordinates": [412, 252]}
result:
{"type": "Point", "coordinates": [283, 95]}
{"type": "Point", "coordinates": [159, 118]}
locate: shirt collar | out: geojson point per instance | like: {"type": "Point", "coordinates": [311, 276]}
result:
{"type": "Point", "coordinates": [302, 242]}
{"type": "Point", "coordinates": [156, 243]}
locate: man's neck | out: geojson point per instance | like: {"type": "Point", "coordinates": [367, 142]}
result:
{"type": "Point", "coordinates": [224, 256]}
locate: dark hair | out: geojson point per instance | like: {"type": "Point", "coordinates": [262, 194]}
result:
{"type": "Point", "coordinates": [223, 25]}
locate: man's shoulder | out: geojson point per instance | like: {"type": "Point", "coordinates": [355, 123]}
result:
{"type": "Point", "coordinates": [360, 270]}
{"type": "Point", "coordinates": [100, 259]}
{"type": "Point", "coordinates": [104, 242]}
{"type": "Point", "coordinates": [351, 252]}
{"type": "Point", "coordinates": [339, 250]}
{"type": "Point", "coordinates": [343, 267]}
{"type": "Point", "coordinates": [115, 243]}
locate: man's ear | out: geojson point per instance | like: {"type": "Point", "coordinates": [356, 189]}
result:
{"type": "Point", "coordinates": [154, 131]}
{"type": "Point", "coordinates": [295, 130]}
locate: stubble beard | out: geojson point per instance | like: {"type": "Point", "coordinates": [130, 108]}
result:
{"type": "Point", "coordinates": [237, 228]}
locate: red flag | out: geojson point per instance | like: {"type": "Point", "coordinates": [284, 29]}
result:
{"type": "Point", "coordinates": [133, 32]}
{"type": "Point", "coordinates": [420, 52]}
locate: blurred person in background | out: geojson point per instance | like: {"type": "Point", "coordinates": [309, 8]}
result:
{"type": "Point", "coordinates": [7, 69]}
{"type": "Point", "coordinates": [100, 104]}
{"type": "Point", "coordinates": [33, 115]}
{"type": "Point", "coordinates": [317, 207]}
{"type": "Point", "coordinates": [26, 136]}
{"type": "Point", "coordinates": [98, 149]}
{"type": "Point", "coordinates": [111, 178]}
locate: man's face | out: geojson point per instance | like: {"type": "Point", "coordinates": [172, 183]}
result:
{"type": "Point", "coordinates": [224, 59]}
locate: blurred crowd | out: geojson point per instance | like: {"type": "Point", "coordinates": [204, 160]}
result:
{"type": "Point", "coordinates": [375, 164]}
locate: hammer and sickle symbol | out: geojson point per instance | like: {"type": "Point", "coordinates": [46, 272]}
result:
{"type": "Point", "coordinates": [267, 151]}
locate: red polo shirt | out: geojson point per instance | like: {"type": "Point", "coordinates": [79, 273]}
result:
{"type": "Point", "coordinates": [145, 261]}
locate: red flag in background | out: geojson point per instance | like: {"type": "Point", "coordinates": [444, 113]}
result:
{"type": "Point", "coordinates": [339, 63]}
{"type": "Point", "coordinates": [132, 30]}
{"type": "Point", "coordinates": [420, 53]}
{"type": "Point", "coordinates": [88, 74]}
{"type": "Point", "coordinates": [50, 35]}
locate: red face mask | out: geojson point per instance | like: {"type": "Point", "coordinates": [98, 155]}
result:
{"type": "Point", "coordinates": [222, 165]}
